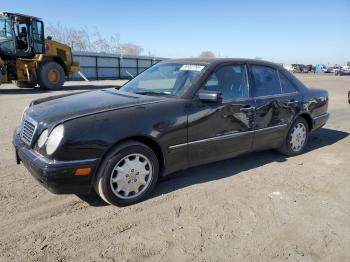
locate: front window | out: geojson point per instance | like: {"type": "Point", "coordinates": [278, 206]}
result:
{"type": "Point", "coordinates": [231, 81]}
{"type": "Point", "coordinates": [165, 79]}
{"type": "Point", "coordinates": [6, 36]}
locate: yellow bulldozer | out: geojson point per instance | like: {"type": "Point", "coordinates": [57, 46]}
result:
{"type": "Point", "coordinates": [29, 59]}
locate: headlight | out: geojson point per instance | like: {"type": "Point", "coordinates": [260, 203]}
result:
{"type": "Point", "coordinates": [43, 137]}
{"type": "Point", "coordinates": [54, 139]}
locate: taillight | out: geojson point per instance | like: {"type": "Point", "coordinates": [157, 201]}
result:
{"type": "Point", "coordinates": [348, 94]}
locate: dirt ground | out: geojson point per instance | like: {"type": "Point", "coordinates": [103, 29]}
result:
{"type": "Point", "coordinates": [258, 207]}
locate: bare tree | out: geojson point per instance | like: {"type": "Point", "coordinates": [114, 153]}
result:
{"type": "Point", "coordinates": [99, 44]}
{"type": "Point", "coordinates": [207, 54]}
{"type": "Point", "coordinates": [151, 54]}
{"type": "Point", "coordinates": [114, 42]}
{"type": "Point", "coordinates": [348, 63]}
{"type": "Point", "coordinates": [131, 49]}
{"type": "Point", "coordinates": [82, 40]}
{"type": "Point", "coordinates": [76, 39]}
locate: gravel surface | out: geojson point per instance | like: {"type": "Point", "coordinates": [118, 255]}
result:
{"type": "Point", "coordinates": [258, 207]}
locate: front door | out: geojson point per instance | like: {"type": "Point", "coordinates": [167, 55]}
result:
{"type": "Point", "coordinates": [222, 130]}
{"type": "Point", "coordinates": [37, 37]}
{"type": "Point", "coordinates": [23, 39]}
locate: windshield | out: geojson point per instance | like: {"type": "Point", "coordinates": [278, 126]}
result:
{"type": "Point", "coordinates": [6, 37]}
{"type": "Point", "coordinates": [165, 79]}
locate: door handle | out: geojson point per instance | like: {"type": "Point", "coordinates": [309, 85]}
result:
{"type": "Point", "coordinates": [247, 108]}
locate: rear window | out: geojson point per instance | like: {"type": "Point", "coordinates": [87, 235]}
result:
{"type": "Point", "coordinates": [286, 85]}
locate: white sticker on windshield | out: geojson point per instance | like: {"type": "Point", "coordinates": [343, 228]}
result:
{"type": "Point", "coordinates": [192, 67]}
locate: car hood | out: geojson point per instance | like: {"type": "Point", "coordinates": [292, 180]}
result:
{"type": "Point", "coordinates": [62, 108]}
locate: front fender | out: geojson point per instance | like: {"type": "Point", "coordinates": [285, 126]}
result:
{"type": "Point", "coordinates": [93, 135]}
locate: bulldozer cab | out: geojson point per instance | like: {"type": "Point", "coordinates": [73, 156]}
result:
{"type": "Point", "coordinates": [21, 36]}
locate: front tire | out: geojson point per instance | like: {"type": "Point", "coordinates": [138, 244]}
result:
{"type": "Point", "coordinates": [127, 174]}
{"type": "Point", "coordinates": [296, 139]}
{"type": "Point", "coordinates": [50, 75]}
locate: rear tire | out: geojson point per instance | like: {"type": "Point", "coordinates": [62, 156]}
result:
{"type": "Point", "coordinates": [51, 76]}
{"type": "Point", "coordinates": [127, 174]}
{"type": "Point", "coordinates": [296, 139]}
{"type": "Point", "coordinates": [25, 84]}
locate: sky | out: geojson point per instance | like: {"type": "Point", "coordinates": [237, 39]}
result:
{"type": "Point", "coordinates": [289, 31]}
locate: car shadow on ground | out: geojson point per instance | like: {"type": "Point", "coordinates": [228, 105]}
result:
{"type": "Point", "coordinates": [230, 167]}
{"type": "Point", "coordinates": [29, 91]}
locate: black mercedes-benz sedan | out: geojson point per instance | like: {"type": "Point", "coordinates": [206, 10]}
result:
{"type": "Point", "coordinates": [175, 115]}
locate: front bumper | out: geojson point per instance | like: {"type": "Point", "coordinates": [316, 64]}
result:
{"type": "Point", "coordinates": [57, 176]}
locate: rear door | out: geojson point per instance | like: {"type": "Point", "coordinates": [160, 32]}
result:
{"type": "Point", "coordinates": [222, 130]}
{"type": "Point", "coordinates": [274, 107]}
{"type": "Point", "coordinates": [289, 100]}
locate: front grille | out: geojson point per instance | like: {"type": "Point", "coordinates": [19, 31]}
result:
{"type": "Point", "coordinates": [28, 131]}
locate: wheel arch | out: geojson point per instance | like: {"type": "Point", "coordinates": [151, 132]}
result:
{"type": "Point", "coordinates": [59, 61]}
{"type": "Point", "coordinates": [307, 118]}
{"type": "Point", "coordinates": [56, 59]}
{"type": "Point", "coordinates": [148, 141]}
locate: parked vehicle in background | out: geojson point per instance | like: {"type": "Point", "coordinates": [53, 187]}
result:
{"type": "Point", "coordinates": [308, 68]}
{"type": "Point", "coordinates": [300, 68]}
{"type": "Point", "coordinates": [328, 70]}
{"type": "Point", "coordinates": [344, 71]}
{"type": "Point", "coordinates": [175, 115]}
{"type": "Point", "coordinates": [335, 68]}
{"type": "Point", "coordinates": [297, 68]}
{"type": "Point", "coordinates": [288, 68]}
{"type": "Point", "coordinates": [294, 68]}
{"type": "Point", "coordinates": [321, 68]}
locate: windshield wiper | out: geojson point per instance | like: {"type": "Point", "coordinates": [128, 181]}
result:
{"type": "Point", "coordinates": [144, 92]}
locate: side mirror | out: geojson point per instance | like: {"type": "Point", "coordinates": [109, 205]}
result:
{"type": "Point", "coordinates": [210, 96]}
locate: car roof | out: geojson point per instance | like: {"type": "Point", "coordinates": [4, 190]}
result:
{"type": "Point", "coordinates": [215, 61]}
